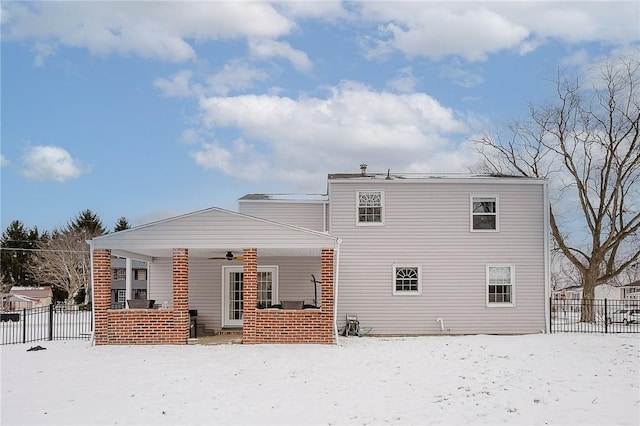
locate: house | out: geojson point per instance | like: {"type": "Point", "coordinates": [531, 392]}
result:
{"type": "Point", "coordinates": [119, 281]}
{"type": "Point", "coordinates": [406, 253]}
{"type": "Point", "coordinates": [28, 298]}
{"type": "Point", "coordinates": [631, 291]}
{"type": "Point", "coordinates": [602, 291]}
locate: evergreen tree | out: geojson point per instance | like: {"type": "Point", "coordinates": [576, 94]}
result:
{"type": "Point", "coordinates": [122, 224]}
{"type": "Point", "coordinates": [87, 222]}
{"type": "Point", "coordinates": [18, 243]}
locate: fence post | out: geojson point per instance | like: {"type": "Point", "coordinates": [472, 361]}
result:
{"type": "Point", "coordinates": [24, 325]}
{"type": "Point", "coordinates": [606, 315]}
{"type": "Point", "coordinates": [550, 315]}
{"type": "Point", "coordinates": [51, 321]}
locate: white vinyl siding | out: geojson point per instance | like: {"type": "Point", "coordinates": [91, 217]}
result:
{"type": "Point", "coordinates": [427, 224]}
{"type": "Point", "coordinates": [303, 214]}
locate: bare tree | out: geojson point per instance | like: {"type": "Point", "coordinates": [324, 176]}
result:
{"type": "Point", "coordinates": [64, 262]}
{"type": "Point", "coordinates": [587, 143]}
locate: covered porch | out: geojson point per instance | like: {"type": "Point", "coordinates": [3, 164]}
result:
{"type": "Point", "coordinates": [188, 270]}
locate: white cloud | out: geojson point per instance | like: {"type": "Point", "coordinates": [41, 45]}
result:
{"type": "Point", "coordinates": [4, 161]}
{"type": "Point", "coordinates": [234, 76]}
{"type": "Point", "coordinates": [160, 30]}
{"type": "Point", "coordinates": [240, 160]}
{"type": "Point", "coordinates": [474, 30]}
{"type": "Point", "coordinates": [179, 86]}
{"type": "Point", "coordinates": [50, 163]}
{"type": "Point", "coordinates": [304, 137]}
{"type": "Point", "coordinates": [461, 74]}
{"type": "Point", "coordinates": [436, 31]}
{"type": "Point", "coordinates": [405, 82]}
{"type": "Point", "coordinates": [266, 49]}
{"type": "Point", "coordinates": [43, 51]}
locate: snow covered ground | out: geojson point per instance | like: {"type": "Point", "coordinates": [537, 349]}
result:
{"type": "Point", "coordinates": [559, 379]}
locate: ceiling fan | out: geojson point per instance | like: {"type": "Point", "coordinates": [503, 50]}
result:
{"type": "Point", "coordinates": [229, 256]}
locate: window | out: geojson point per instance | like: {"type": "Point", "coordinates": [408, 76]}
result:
{"type": "Point", "coordinates": [500, 285]}
{"type": "Point", "coordinates": [407, 279]}
{"type": "Point", "coordinates": [119, 274]}
{"type": "Point", "coordinates": [121, 296]}
{"type": "Point", "coordinates": [140, 274]}
{"type": "Point", "coordinates": [484, 213]}
{"type": "Point", "coordinates": [265, 289]}
{"type": "Point", "coordinates": [370, 207]}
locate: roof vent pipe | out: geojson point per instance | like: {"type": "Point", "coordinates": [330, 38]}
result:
{"type": "Point", "coordinates": [363, 169]}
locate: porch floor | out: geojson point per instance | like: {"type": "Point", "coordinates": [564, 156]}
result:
{"type": "Point", "coordinates": [218, 339]}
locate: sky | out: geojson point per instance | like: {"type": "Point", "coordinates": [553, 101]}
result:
{"type": "Point", "coordinates": [542, 379]}
{"type": "Point", "coordinates": [146, 110]}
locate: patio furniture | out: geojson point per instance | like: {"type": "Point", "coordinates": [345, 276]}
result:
{"type": "Point", "coordinates": [140, 303]}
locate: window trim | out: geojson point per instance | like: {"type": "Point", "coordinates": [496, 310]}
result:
{"type": "Point", "coordinates": [394, 273]}
{"type": "Point", "coordinates": [472, 214]}
{"type": "Point", "coordinates": [382, 212]}
{"type": "Point", "coordinates": [512, 280]}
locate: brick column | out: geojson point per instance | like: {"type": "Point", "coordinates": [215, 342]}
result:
{"type": "Point", "coordinates": [181, 293]}
{"type": "Point", "coordinates": [249, 294]}
{"type": "Point", "coordinates": [327, 296]}
{"type": "Point", "coordinates": [101, 293]}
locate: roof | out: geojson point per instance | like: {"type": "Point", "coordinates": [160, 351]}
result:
{"type": "Point", "coordinates": [213, 232]}
{"type": "Point", "coordinates": [36, 292]}
{"type": "Point", "coordinates": [441, 177]}
{"type": "Point", "coordinates": [286, 197]}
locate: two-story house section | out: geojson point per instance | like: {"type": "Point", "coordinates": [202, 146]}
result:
{"type": "Point", "coordinates": [430, 254]}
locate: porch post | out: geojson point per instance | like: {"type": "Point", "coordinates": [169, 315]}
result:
{"type": "Point", "coordinates": [128, 282]}
{"type": "Point", "coordinates": [327, 296]}
{"type": "Point", "coordinates": [101, 293]}
{"type": "Point", "coordinates": [181, 293]}
{"type": "Point", "coordinates": [249, 294]}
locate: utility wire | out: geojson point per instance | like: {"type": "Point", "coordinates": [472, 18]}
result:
{"type": "Point", "coordinates": [43, 250]}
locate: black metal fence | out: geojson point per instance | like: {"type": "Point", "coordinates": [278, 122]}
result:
{"type": "Point", "coordinates": [594, 316]}
{"type": "Point", "coordinates": [53, 322]}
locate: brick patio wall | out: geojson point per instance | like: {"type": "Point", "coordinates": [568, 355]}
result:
{"type": "Point", "coordinates": [291, 326]}
{"type": "Point", "coordinates": [141, 326]}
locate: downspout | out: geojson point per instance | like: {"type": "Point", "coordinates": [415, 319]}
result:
{"type": "Point", "coordinates": [93, 317]}
{"type": "Point", "coordinates": [547, 254]}
{"type": "Point", "coordinates": [336, 274]}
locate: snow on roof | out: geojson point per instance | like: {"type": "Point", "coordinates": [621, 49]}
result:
{"type": "Point", "coordinates": [423, 176]}
{"type": "Point", "coordinates": [285, 197]}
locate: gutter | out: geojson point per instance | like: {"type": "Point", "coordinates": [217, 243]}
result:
{"type": "Point", "coordinates": [93, 293]}
{"type": "Point", "coordinates": [336, 274]}
{"type": "Point", "coordinates": [547, 260]}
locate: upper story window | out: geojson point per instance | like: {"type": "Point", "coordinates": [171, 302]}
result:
{"type": "Point", "coordinates": [500, 285]}
{"type": "Point", "coordinates": [484, 213]}
{"type": "Point", "coordinates": [119, 274]}
{"type": "Point", "coordinates": [370, 208]}
{"type": "Point", "coordinates": [140, 274]}
{"type": "Point", "coordinates": [407, 279]}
